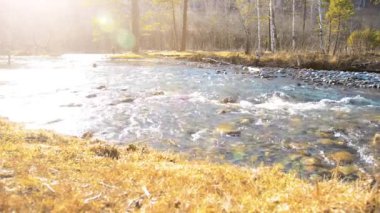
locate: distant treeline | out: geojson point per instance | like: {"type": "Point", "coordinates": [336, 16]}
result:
{"type": "Point", "coordinates": [253, 26]}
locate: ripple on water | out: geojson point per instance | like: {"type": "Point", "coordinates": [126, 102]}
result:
{"type": "Point", "coordinates": [278, 120]}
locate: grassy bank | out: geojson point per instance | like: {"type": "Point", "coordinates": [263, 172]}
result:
{"type": "Point", "coordinates": [41, 171]}
{"type": "Point", "coordinates": [308, 60]}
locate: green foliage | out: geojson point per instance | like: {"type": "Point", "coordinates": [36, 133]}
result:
{"type": "Point", "coordinates": [246, 10]}
{"type": "Point", "coordinates": [340, 10]}
{"type": "Point", "coordinates": [364, 40]}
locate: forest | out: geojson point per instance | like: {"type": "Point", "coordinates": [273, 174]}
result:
{"type": "Point", "coordinates": [251, 26]}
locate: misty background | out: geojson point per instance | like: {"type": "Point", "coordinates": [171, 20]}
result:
{"type": "Point", "coordinates": [58, 26]}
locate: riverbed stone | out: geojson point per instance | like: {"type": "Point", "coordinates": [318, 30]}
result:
{"type": "Point", "coordinates": [127, 100]}
{"type": "Point", "coordinates": [245, 121]}
{"type": "Point", "coordinates": [102, 87]}
{"type": "Point", "coordinates": [87, 135]}
{"type": "Point", "coordinates": [310, 161]}
{"type": "Point", "coordinates": [330, 142]}
{"type": "Point", "coordinates": [325, 133]}
{"type": "Point", "coordinates": [228, 129]}
{"type": "Point", "coordinates": [341, 157]}
{"type": "Point", "coordinates": [295, 157]}
{"type": "Point", "coordinates": [92, 96]}
{"type": "Point", "coordinates": [228, 100]}
{"type": "Point", "coordinates": [346, 170]}
{"type": "Point", "coordinates": [376, 140]}
{"type": "Point", "coordinates": [158, 93]}
{"type": "Point", "coordinates": [224, 111]}
{"type": "Point", "coordinates": [6, 173]}
{"type": "Point", "coordinates": [298, 146]}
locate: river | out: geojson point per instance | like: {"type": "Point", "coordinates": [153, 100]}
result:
{"type": "Point", "coordinates": [205, 111]}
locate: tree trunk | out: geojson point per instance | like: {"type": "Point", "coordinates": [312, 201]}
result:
{"type": "Point", "coordinates": [174, 26]}
{"type": "Point", "coordinates": [293, 25]}
{"type": "Point", "coordinates": [321, 44]}
{"type": "Point", "coordinates": [337, 37]}
{"type": "Point", "coordinates": [304, 22]}
{"type": "Point", "coordinates": [136, 25]}
{"type": "Point", "coordinates": [258, 27]}
{"type": "Point", "coordinates": [272, 28]}
{"type": "Point", "coordinates": [329, 38]}
{"type": "Point", "coordinates": [247, 42]}
{"type": "Point", "coordinates": [184, 26]}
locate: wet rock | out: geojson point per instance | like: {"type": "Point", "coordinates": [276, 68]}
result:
{"type": "Point", "coordinates": [330, 142]}
{"type": "Point", "coordinates": [245, 121]}
{"type": "Point", "coordinates": [158, 93]}
{"type": "Point", "coordinates": [71, 105]}
{"type": "Point", "coordinates": [295, 157]}
{"type": "Point", "coordinates": [341, 157]}
{"type": "Point", "coordinates": [102, 87]}
{"type": "Point", "coordinates": [92, 96]}
{"type": "Point", "coordinates": [123, 101]}
{"type": "Point", "coordinates": [346, 170]}
{"type": "Point", "coordinates": [54, 121]}
{"type": "Point", "coordinates": [87, 135]}
{"type": "Point", "coordinates": [310, 168]}
{"type": "Point", "coordinates": [376, 140]}
{"type": "Point", "coordinates": [310, 161]}
{"type": "Point", "coordinates": [325, 133]}
{"type": "Point", "coordinates": [127, 100]}
{"type": "Point", "coordinates": [228, 100]}
{"type": "Point", "coordinates": [228, 129]}
{"type": "Point", "coordinates": [224, 111]}
{"type": "Point", "coordinates": [6, 173]}
{"type": "Point", "coordinates": [298, 146]}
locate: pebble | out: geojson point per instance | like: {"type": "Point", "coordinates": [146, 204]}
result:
{"type": "Point", "coordinates": [6, 173]}
{"type": "Point", "coordinates": [228, 129]}
{"type": "Point", "coordinates": [342, 157]}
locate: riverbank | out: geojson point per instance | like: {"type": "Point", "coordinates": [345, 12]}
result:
{"type": "Point", "coordinates": [304, 60]}
{"type": "Point", "coordinates": [43, 171]}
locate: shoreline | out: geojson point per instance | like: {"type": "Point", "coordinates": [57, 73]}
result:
{"type": "Point", "coordinates": [44, 171]}
{"type": "Point", "coordinates": [273, 67]}
{"type": "Point", "coordinates": [297, 60]}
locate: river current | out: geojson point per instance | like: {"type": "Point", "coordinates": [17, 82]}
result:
{"type": "Point", "coordinates": [205, 111]}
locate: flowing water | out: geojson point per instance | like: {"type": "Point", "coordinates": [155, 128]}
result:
{"type": "Point", "coordinates": [179, 106]}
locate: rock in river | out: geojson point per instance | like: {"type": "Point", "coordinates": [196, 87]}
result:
{"type": "Point", "coordinates": [228, 100]}
{"type": "Point", "coordinates": [228, 129]}
{"type": "Point", "coordinates": [245, 121]}
{"type": "Point", "coordinates": [346, 170]}
{"type": "Point", "coordinates": [310, 161]}
{"type": "Point", "coordinates": [342, 157]}
{"type": "Point", "coordinates": [376, 140]}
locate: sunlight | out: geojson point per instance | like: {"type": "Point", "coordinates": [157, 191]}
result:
{"type": "Point", "coordinates": [105, 22]}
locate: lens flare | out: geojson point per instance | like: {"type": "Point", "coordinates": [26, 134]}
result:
{"type": "Point", "coordinates": [125, 39]}
{"type": "Point", "coordinates": [105, 23]}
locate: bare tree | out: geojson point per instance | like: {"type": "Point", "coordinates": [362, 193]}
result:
{"type": "Point", "coordinates": [304, 21]}
{"type": "Point", "coordinates": [320, 15]}
{"type": "Point", "coordinates": [258, 27]}
{"type": "Point", "coordinates": [293, 25]}
{"type": "Point", "coordinates": [136, 25]}
{"type": "Point", "coordinates": [174, 25]}
{"type": "Point", "coordinates": [184, 26]}
{"type": "Point", "coordinates": [273, 42]}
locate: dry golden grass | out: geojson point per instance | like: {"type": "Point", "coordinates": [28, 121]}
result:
{"type": "Point", "coordinates": [44, 172]}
